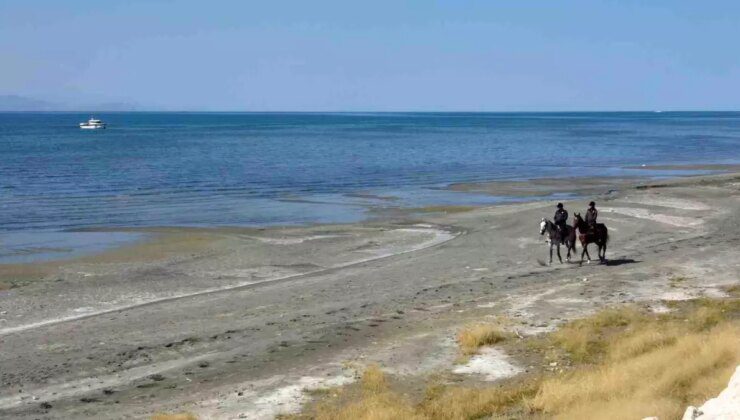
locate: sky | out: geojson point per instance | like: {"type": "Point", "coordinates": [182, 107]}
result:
{"type": "Point", "coordinates": [395, 55]}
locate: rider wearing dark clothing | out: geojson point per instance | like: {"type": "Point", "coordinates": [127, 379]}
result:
{"type": "Point", "coordinates": [591, 215]}
{"type": "Point", "coordinates": [561, 216]}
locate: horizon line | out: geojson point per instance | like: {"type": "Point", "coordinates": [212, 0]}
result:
{"type": "Point", "coordinates": [191, 111]}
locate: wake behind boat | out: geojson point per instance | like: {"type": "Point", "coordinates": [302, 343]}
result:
{"type": "Point", "coordinates": [92, 124]}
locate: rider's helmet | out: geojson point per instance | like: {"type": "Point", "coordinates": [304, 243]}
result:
{"type": "Point", "coordinates": [560, 205]}
{"type": "Point", "coordinates": [592, 204]}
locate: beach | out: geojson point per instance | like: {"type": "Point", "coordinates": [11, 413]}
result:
{"type": "Point", "coordinates": [236, 322]}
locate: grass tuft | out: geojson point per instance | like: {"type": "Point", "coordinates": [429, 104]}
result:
{"type": "Point", "coordinates": [376, 402]}
{"type": "Point", "coordinates": [374, 380]}
{"type": "Point", "coordinates": [473, 337]}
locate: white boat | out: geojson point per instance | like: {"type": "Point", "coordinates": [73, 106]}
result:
{"type": "Point", "coordinates": [92, 124]}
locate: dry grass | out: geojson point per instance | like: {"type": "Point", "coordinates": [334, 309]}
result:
{"type": "Point", "coordinates": [473, 337]}
{"type": "Point", "coordinates": [650, 374]}
{"type": "Point", "coordinates": [733, 290]}
{"type": "Point", "coordinates": [584, 339]}
{"type": "Point", "coordinates": [454, 402]}
{"type": "Point", "coordinates": [621, 363]}
{"type": "Point", "coordinates": [375, 402]}
{"type": "Point", "coordinates": [177, 416]}
{"type": "Point", "coordinates": [649, 366]}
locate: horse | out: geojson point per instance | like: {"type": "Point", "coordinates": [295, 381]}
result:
{"type": "Point", "coordinates": [555, 238]}
{"type": "Point", "coordinates": [598, 235]}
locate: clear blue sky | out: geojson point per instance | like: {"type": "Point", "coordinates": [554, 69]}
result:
{"type": "Point", "coordinates": [494, 55]}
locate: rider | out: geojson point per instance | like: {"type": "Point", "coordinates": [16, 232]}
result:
{"type": "Point", "coordinates": [591, 215]}
{"type": "Point", "coordinates": [561, 216]}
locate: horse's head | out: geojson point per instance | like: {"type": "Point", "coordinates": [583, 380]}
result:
{"type": "Point", "coordinates": [577, 219]}
{"type": "Point", "coordinates": [543, 226]}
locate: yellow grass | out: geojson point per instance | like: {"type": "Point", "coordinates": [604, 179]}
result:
{"type": "Point", "coordinates": [619, 364]}
{"type": "Point", "coordinates": [376, 402]}
{"type": "Point", "coordinates": [177, 416]}
{"type": "Point", "coordinates": [475, 336]}
{"type": "Point", "coordinates": [584, 339]}
{"type": "Point", "coordinates": [454, 402]}
{"type": "Point", "coordinates": [650, 374]}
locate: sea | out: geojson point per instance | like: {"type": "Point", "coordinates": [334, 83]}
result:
{"type": "Point", "coordinates": [59, 185]}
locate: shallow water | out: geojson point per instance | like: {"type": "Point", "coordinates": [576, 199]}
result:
{"type": "Point", "coordinates": [38, 246]}
{"type": "Point", "coordinates": [190, 169]}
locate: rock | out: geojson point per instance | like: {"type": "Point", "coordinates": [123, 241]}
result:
{"type": "Point", "coordinates": [691, 413]}
{"type": "Point", "coordinates": [725, 406]}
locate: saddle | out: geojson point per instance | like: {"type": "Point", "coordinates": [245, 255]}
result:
{"type": "Point", "coordinates": [591, 227]}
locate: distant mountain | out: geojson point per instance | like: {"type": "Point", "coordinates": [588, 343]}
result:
{"type": "Point", "coordinates": [110, 106]}
{"type": "Point", "coordinates": [22, 103]}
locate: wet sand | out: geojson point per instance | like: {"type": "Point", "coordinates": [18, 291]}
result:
{"type": "Point", "coordinates": [232, 322]}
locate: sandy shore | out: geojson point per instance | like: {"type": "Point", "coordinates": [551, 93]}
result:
{"type": "Point", "coordinates": [231, 323]}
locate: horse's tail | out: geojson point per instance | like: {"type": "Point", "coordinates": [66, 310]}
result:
{"type": "Point", "coordinates": [606, 235]}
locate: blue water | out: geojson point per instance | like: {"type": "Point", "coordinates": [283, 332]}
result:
{"type": "Point", "coordinates": [191, 169]}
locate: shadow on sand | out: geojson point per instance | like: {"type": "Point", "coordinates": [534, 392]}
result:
{"type": "Point", "coordinates": [621, 261]}
{"type": "Point", "coordinates": [616, 262]}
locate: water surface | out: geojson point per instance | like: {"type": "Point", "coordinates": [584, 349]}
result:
{"type": "Point", "coordinates": [191, 169]}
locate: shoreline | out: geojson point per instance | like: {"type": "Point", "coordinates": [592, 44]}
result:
{"type": "Point", "coordinates": [354, 293]}
{"type": "Point", "coordinates": [502, 192]}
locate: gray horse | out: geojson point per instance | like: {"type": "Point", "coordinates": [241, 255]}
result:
{"type": "Point", "coordinates": [555, 238]}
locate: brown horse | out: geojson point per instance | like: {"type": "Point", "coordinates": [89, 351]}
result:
{"type": "Point", "coordinates": [598, 235]}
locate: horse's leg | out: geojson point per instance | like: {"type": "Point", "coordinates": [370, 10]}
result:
{"type": "Point", "coordinates": [550, 263]}
{"type": "Point", "coordinates": [585, 249]}
{"type": "Point", "coordinates": [583, 245]}
{"type": "Point", "coordinates": [559, 257]}
{"type": "Point", "coordinates": [603, 256]}
{"type": "Point", "coordinates": [573, 243]}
